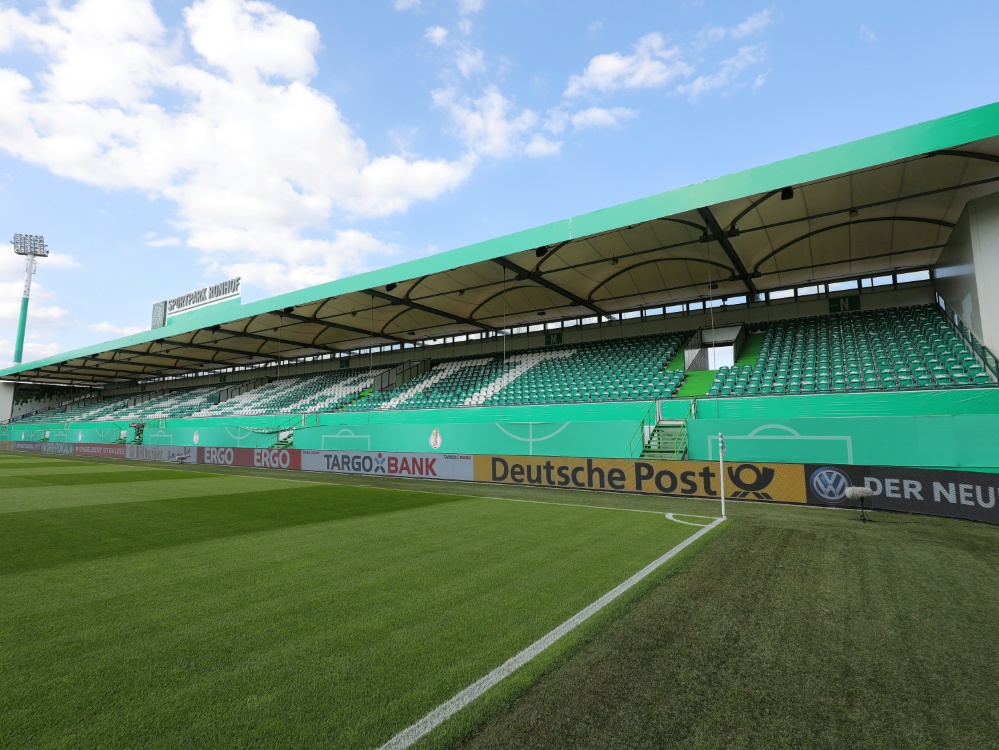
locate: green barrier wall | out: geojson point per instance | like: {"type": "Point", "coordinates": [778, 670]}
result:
{"type": "Point", "coordinates": [957, 441]}
{"type": "Point", "coordinates": [80, 432]}
{"type": "Point", "coordinates": [229, 432]}
{"type": "Point", "coordinates": [599, 430]}
{"type": "Point", "coordinates": [676, 408]}
{"type": "Point", "coordinates": [908, 403]}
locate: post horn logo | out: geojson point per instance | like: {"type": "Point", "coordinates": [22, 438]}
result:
{"type": "Point", "coordinates": [751, 481]}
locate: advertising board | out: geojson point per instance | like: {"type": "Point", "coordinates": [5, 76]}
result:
{"type": "Point", "coordinates": [744, 481]}
{"type": "Point", "coordinates": [160, 452]}
{"type": "Point", "coordinates": [955, 494]}
{"type": "Point", "coordinates": [96, 449]}
{"type": "Point", "coordinates": [260, 458]}
{"type": "Point", "coordinates": [58, 449]}
{"type": "Point", "coordinates": [419, 465]}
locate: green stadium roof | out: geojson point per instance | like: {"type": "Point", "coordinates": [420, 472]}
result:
{"type": "Point", "coordinates": [877, 205]}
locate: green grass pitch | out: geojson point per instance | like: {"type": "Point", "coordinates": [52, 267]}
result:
{"type": "Point", "coordinates": [151, 607]}
{"type": "Point", "coordinates": [146, 606]}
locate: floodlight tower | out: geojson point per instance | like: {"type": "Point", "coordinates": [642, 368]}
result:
{"type": "Point", "coordinates": [32, 246]}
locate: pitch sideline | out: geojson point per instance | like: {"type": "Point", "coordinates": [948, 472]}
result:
{"type": "Point", "coordinates": [449, 708]}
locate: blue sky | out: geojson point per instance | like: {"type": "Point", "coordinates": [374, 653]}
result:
{"type": "Point", "coordinates": [162, 145]}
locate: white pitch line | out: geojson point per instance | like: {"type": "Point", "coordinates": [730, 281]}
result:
{"type": "Point", "coordinates": [446, 710]}
{"type": "Point", "coordinates": [568, 505]}
{"type": "Point", "coordinates": [671, 517]}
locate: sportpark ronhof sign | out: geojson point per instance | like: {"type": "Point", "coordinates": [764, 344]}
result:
{"type": "Point", "coordinates": [199, 298]}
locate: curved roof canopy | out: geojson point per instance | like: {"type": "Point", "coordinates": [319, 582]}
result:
{"type": "Point", "coordinates": [878, 205]}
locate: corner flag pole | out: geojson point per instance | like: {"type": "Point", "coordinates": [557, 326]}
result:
{"type": "Point", "coordinates": [721, 469]}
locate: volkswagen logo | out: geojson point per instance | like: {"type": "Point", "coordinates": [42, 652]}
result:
{"type": "Point", "coordinates": [829, 484]}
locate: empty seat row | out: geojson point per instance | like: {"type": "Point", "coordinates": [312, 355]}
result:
{"type": "Point", "coordinates": [876, 350]}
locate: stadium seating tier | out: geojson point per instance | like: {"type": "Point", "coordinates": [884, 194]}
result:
{"type": "Point", "coordinates": [874, 350]}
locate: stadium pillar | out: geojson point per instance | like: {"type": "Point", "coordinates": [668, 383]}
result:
{"type": "Point", "coordinates": [29, 271]}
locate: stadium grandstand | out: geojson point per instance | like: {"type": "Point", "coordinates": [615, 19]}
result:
{"type": "Point", "coordinates": [804, 309]}
{"type": "Point", "coordinates": [585, 396]}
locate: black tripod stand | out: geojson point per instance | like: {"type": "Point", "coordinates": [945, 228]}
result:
{"type": "Point", "coordinates": [863, 511]}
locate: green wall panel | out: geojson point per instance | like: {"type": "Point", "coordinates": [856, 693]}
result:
{"type": "Point", "coordinates": [944, 402]}
{"type": "Point", "coordinates": [597, 430]}
{"type": "Point", "coordinates": [956, 441]}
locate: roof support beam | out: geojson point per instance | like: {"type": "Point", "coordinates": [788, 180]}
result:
{"type": "Point", "coordinates": [663, 260]}
{"type": "Point", "coordinates": [430, 310]}
{"type": "Point", "coordinates": [722, 239]}
{"type": "Point", "coordinates": [213, 348]}
{"type": "Point", "coordinates": [875, 204]}
{"type": "Point", "coordinates": [965, 154]}
{"type": "Point", "coordinates": [879, 256]}
{"type": "Point", "coordinates": [279, 341]}
{"type": "Point", "coordinates": [852, 222]}
{"type": "Point", "coordinates": [161, 355]}
{"type": "Point", "coordinates": [540, 280]}
{"type": "Point", "coordinates": [342, 327]}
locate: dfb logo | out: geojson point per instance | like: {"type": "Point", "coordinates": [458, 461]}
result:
{"type": "Point", "coordinates": [751, 481]}
{"type": "Point", "coordinates": [829, 484]}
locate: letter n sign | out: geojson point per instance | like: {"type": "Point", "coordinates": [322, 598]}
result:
{"type": "Point", "coordinates": [844, 304]}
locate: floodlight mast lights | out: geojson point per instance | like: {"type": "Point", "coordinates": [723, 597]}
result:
{"type": "Point", "coordinates": [33, 247]}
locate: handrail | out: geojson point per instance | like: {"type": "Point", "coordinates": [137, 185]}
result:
{"type": "Point", "coordinates": [648, 419]}
{"type": "Point", "coordinates": [982, 352]}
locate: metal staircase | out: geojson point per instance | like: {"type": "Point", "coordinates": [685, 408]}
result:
{"type": "Point", "coordinates": [668, 441]}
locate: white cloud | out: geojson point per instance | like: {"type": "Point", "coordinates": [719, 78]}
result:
{"type": "Point", "coordinates": [350, 251]}
{"type": "Point", "coordinates": [468, 7]}
{"type": "Point", "coordinates": [254, 158]}
{"type": "Point", "coordinates": [557, 121]}
{"type": "Point", "coordinates": [465, 26]}
{"type": "Point", "coordinates": [539, 145]}
{"type": "Point", "coordinates": [33, 350]}
{"type": "Point", "coordinates": [470, 60]}
{"type": "Point", "coordinates": [595, 27]}
{"type": "Point", "coordinates": [652, 65]}
{"type": "Point", "coordinates": [754, 24]}
{"type": "Point", "coordinates": [110, 329]}
{"type": "Point", "coordinates": [867, 34]}
{"type": "Point", "coordinates": [491, 126]}
{"type": "Point", "coordinates": [727, 73]}
{"type": "Point", "coordinates": [436, 35]}
{"type": "Point", "coordinates": [598, 117]}
{"type": "Point", "coordinates": [406, 4]}
{"type": "Point", "coordinates": [252, 40]}
{"type": "Point", "coordinates": [164, 242]}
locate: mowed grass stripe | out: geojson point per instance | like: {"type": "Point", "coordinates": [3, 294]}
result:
{"type": "Point", "coordinates": [10, 464]}
{"type": "Point", "coordinates": [792, 629]}
{"type": "Point", "coordinates": [39, 539]}
{"type": "Point", "coordinates": [76, 479]}
{"type": "Point", "coordinates": [337, 632]}
{"type": "Point", "coordinates": [100, 485]}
